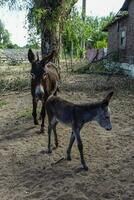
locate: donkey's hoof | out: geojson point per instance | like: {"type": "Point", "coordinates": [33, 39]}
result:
{"type": "Point", "coordinates": [55, 147]}
{"type": "Point", "coordinates": [85, 168]}
{"type": "Point", "coordinates": [49, 151]}
{"type": "Point", "coordinates": [69, 158]}
{"type": "Point", "coordinates": [80, 169]}
{"type": "Point", "coordinates": [45, 152]}
{"type": "Point", "coordinates": [42, 130]}
{"type": "Point", "coordinates": [36, 122]}
{"type": "Point", "coordinates": [56, 144]}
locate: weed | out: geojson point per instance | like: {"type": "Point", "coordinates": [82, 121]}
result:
{"type": "Point", "coordinates": [2, 103]}
{"type": "Point", "coordinates": [100, 68]}
{"type": "Point", "coordinates": [14, 78]}
{"type": "Point", "coordinates": [25, 113]}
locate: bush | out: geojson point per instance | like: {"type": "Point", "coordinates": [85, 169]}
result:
{"type": "Point", "coordinates": [101, 44]}
{"type": "Point", "coordinates": [16, 84]}
{"type": "Point", "coordinates": [101, 68]}
{"type": "Point", "coordinates": [1, 46]}
{"type": "Point", "coordinates": [10, 46]}
{"type": "Point", "coordinates": [14, 62]}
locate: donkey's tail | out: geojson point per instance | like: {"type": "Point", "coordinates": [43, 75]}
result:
{"type": "Point", "coordinates": [56, 89]}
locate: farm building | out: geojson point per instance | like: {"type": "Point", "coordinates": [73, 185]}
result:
{"type": "Point", "coordinates": [121, 33]}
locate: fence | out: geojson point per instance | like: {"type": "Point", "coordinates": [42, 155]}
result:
{"type": "Point", "coordinates": [13, 56]}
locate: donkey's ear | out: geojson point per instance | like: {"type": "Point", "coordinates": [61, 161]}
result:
{"type": "Point", "coordinates": [107, 98]}
{"type": "Point", "coordinates": [48, 58]}
{"type": "Point", "coordinates": [31, 56]}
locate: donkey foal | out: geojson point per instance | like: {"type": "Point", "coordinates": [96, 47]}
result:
{"type": "Point", "coordinates": [76, 116]}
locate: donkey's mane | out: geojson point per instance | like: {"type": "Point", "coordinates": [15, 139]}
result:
{"type": "Point", "coordinates": [91, 105]}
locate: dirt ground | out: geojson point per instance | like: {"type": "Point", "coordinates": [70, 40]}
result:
{"type": "Point", "coordinates": [27, 174]}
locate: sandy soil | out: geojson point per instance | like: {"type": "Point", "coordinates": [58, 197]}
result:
{"type": "Point", "coordinates": [27, 174]}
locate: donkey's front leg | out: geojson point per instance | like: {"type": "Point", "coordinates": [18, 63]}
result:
{"type": "Point", "coordinates": [34, 113]}
{"type": "Point", "coordinates": [43, 114]}
{"type": "Point", "coordinates": [80, 147]}
{"type": "Point", "coordinates": [72, 139]}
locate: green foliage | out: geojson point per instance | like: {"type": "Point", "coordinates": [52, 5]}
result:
{"type": "Point", "coordinates": [90, 31]}
{"type": "Point", "coordinates": [74, 31]}
{"type": "Point", "coordinates": [1, 46]}
{"type": "Point", "coordinates": [2, 103]}
{"type": "Point", "coordinates": [46, 15]}
{"type": "Point", "coordinates": [14, 62]}
{"type": "Point", "coordinates": [4, 36]}
{"type": "Point", "coordinates": [33, 39]}
{"type": "Point", "coordinates": [50, 12]}
{"type": "Point", "coordinates": [12, 46]}
{"type": "Point", "coordinates": [101, 44]}
{"type": "Point", "coordinates": [106, 20]}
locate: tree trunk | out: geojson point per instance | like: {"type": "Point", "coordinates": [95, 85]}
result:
{"type": "Point", "coordinates": [83, 45]}
{"type": "Point", "coordinates": [49, 39]}
{"type": "Point", "coordinates": [83, 10]}
{"type": "Point", "coordinates": [72, 52]}
{"type": "Point", "coordinates": [50, 36]}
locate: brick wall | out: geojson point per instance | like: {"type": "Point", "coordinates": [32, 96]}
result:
{"type": "Point", "coordinates": [113, 38]}
{"type": "Point", "coordinates": [125, 54]}
{"type": "Point", "coordinates": [130, 34]}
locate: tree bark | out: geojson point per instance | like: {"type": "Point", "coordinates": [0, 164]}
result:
{"type": "Point", "coordinates": [83, 45]}
{"type": "Point", "coordinates": [50, 36]}
{"type": "Point", "coordinates": [83, 10]}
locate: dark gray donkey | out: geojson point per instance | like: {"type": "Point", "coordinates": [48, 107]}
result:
{"type": "Point", "coordinates": [76, 116]}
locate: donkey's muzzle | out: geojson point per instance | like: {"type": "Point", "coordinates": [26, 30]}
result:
{"type": "Point", "coordinates": [109, 129]}
{"type": "Point", "coordinates": [39, 92]}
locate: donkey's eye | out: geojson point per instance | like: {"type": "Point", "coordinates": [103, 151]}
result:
{"type": "Point", "coordinates": [33, 75]}
{"type": "Point", "coordinates": [107, 117]}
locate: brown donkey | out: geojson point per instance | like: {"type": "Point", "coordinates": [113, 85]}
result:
{"type": "Point", "coordinates": [76, 116]}
{"type": "Point", "coordinates": [43, 82]}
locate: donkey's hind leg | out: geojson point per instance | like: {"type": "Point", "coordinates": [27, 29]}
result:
{"type": "Point", "coordinates": [80, 147]}
{"type": "Point", "coordinates": [49, 138]}
{"type": "Point", "coordinates": [51, 126]}
{"type": "Point", "coordinates": [55, 134]}
{"type": "Point", "coordinates": [42, 111]}
{"type": "Point", "coordinates": [72, 139]}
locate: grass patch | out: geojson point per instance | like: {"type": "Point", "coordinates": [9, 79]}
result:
{"type": "Point", "coordinates": [27, 113]}
{"type": "Point", "coordinates": [14, 78]}
{"type": "Point", "coordinates": [2, 103]}
{"type": "Point", "coordinates": [14, 84]}
{"type": "Point", "coordinates": [91, 68]}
